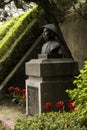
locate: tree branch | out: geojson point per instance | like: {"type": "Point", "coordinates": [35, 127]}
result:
{"type": "Point", "coordinates": [79, 12]}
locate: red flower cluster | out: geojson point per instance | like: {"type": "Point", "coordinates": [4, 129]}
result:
{"type": "Point", "coordinates": [11, 89]}
{"type": "Point", "coordinates": [24, 93]}
{"type": "Point", "coordinates": [48, 106]}
{"type": "Point", "coordinates": [17, 91]}
{"type": "Point", "coordinates": [60, 105]}
{"type": "Point", "coordinates": [71, 105]}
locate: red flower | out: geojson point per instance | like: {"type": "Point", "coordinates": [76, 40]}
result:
{"type": "Point", "coordinates": [48, 105]}
{"type": "Point", "coordinates": [71, 105]}
{"type": "Point", "coordinates": [10, 89]}
{"type": "Point", "coordinates": [60, 105]}
{"type": "Point", "coordinates": [24, 96]}
{"type": "Point", "coordinates": [23, 91]}
{"type": "Point", "coordinates": [17, 89]}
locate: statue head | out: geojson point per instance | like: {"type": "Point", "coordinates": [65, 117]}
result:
{"type": "Point", "coordinates": [49, 32]}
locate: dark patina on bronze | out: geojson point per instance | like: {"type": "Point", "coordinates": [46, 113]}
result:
{"type": "Point", "coordinates": [52, 46]}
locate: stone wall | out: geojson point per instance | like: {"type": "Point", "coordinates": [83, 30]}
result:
{"type": "Point", "coordinates": [75, 34]}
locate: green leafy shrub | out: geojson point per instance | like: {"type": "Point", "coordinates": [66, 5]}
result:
{"type": "Point", "coordinates": [79, 94]}
{"type": "Point", "coordinates": [21, 34]}
{"type": "Point", "coordinates": [51, 121]}
{"type": "Point", "coordinates": [2, 127]}
{"type": "Point", "coordinates": [5, 26]}
{"type": "Point", "coordinates": [15, 31]}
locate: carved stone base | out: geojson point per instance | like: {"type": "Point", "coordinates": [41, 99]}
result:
{"type": "Point", "coordinates": [47, 82]}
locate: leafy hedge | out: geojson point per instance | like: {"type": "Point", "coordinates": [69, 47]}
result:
{"type": "Point", "coordinates": [79, 94]}
{"type": "Point", "coordinates": [18, 35]}
{"type": "Point", "coordinates": [51, 121]}
{"type": "Point", "coordinates": [5, 27]}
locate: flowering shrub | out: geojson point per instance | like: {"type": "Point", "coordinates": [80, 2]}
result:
{"type": "Point", "coordinates": [60, 106]}
{"type": "Point", "coordinates": [17, 95]}
{"type": "Point", "coordinates": [53, 120]}
{"type": "Point", "coordinates": [79, 94]}
{"type": "Point", "coordinates": [48, 106]}
{"type": "Point", "coordinates": [71, 105]}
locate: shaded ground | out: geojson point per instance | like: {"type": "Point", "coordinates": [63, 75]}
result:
{"type": "Point", "coordinates": [10, 111]}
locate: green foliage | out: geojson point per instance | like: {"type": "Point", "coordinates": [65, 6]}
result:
{"type": "Point", "coordinates": [51, 121]}
{"type": "Point", "coordinates": [79, 94]}
{"type": "Point", "coordinates": [17, 28]}
{"type": "Point", "coordinates": [2, 127]}
{"type": "Point", "coordinates": [60, 8]}
{"type": "Point", "coordinates": [16, 42]}
{"type": "Point", "coordinates": [20, 35]}
{"type": "Point", "coordinates": [5, 26]}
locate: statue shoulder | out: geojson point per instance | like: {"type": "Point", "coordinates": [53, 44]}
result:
{"type": "Point", "coordinates": [54, 44]}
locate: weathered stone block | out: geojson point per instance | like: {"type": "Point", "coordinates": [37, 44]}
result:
{"type": "Point", "coordinates": [48, 80]}
{"type": "Point", "coordinates": [51, 67]}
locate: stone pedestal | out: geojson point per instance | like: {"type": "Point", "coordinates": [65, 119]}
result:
{"type": "Point", "coordinates": [47, 82]}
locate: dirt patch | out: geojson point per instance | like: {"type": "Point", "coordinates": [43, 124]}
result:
{"type": "Point", "coordinates": [10, 111]}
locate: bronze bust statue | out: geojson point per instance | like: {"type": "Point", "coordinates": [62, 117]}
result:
{"type": "Point", "coordinates": [49, 34]}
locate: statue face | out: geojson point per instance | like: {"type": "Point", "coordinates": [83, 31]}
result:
{"type": "Point", "coordinates": [48, 34]}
